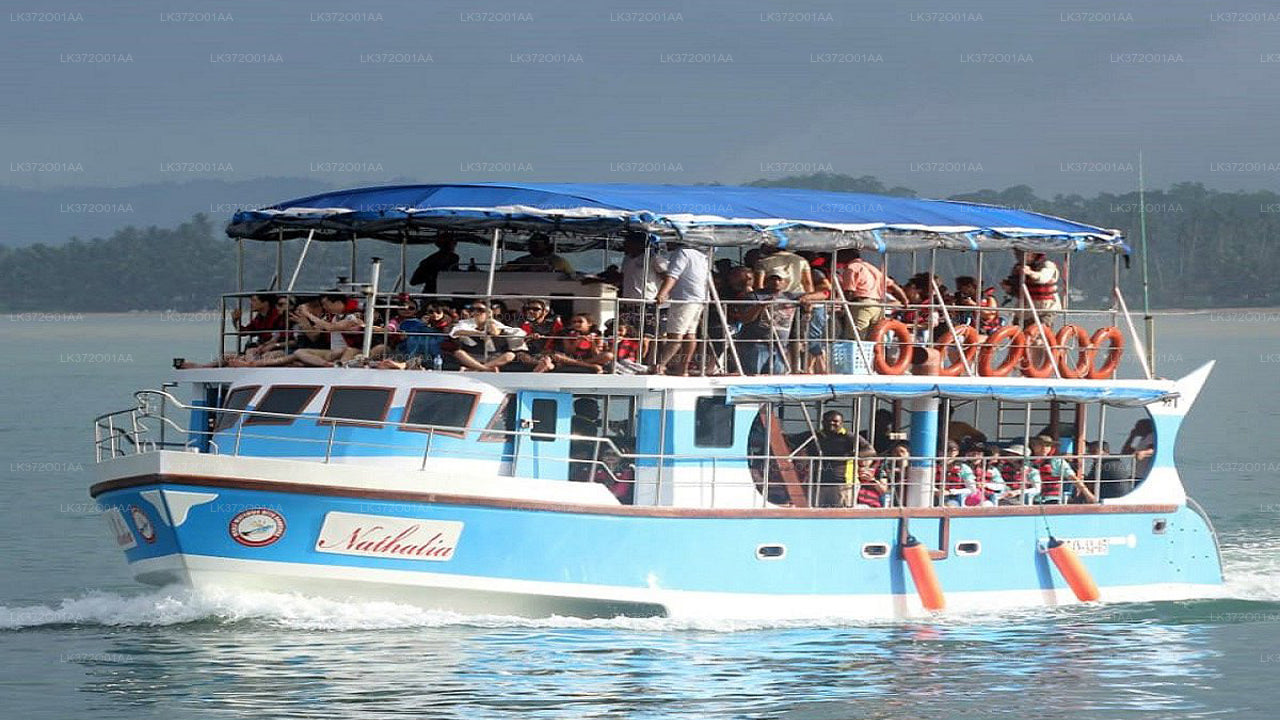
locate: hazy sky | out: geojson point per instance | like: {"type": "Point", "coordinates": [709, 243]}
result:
{"type": "Point", "coordinates": [939, 96]}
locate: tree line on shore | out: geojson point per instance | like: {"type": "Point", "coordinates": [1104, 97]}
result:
{"type": "Point", "coordinates": [1207, 248]}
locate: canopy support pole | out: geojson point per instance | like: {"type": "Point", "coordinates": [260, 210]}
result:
{"type": "Point", "coordinates": [493, 266]}
{"type": "Point", "coordinates": [371, 299]}
{"type": "Point", "coordinates": [353, 259]}
{"type": "Point", "coordinates": [302, 256]}
{"type": "Point", "coordinates": [239, 265]}
{"type": "Point", "coordinates": [724, 320]}
{"type": "Point", "coordinates": [946, 315]}
{"type": "Point", "coordinates": [279, 279]}
{"type": "Point", "coordinates": [404, 260]}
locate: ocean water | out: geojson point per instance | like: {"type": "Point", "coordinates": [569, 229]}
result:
{"type": "Point", "coordinates": [78, 639]}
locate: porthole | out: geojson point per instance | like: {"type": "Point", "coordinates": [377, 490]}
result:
{"type": "Point", "coordinates": [771, 552]}
{"type": "Point", "coordinates": [968, 547]}
{"type": "Point", "coordinates": [1159, 525]}
{"type": "Point", "coordinates": [875, 551]}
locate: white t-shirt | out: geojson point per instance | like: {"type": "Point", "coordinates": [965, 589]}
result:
{"type": "Point", "coordinates": [690, 269]}
{"type": "Point", "coordinates": [633, 276]}
{"type": "Point", "coordinates": [336, 341]}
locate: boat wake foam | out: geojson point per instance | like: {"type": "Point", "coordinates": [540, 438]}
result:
{"type": "Point", "coordinates": [1252, 572]}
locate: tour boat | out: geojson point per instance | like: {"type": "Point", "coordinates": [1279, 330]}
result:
{"type": "Point", "coordinates": [498, 492]}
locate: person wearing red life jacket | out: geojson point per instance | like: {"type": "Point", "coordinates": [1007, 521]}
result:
{"type": "Point", "coordinates": [1040, 277]}
{"type": "Point", "coordinates": [1020, 477]}
{"type": "Point", "coordinates": [1055, 473]}
{"type": "Point", "coordinates": [955, 478]}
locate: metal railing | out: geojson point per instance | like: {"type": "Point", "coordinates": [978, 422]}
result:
{"type": "Point", "coordinates": [802, 478]}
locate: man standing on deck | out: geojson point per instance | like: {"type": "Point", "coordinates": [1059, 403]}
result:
{"type": "Point", "coordinates": [444, 258]}
{"type": "Point", "coordinates": [1040, 277]}
{"type": "Point", "coordinates": [865, 288]}
{"type": "Point", "coordinates": [684, 284]}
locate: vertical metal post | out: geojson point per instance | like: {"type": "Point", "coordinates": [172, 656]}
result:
{"type": "Point", "coordinates": [370, 300]}
{"type": "Point", "coordinates": [353, 259]}
{"type": "Point", "coordinates": [404, 259]}
{"type": "Point", "coordinates": [239, 265]}
{"type": "Point", "coordinates": [493, 265]}
{"type": "Point", "coordinates": [279, 280]}
{"type": "Point", "coordinates": [301, 257]}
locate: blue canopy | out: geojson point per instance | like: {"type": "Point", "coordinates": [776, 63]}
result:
{"type": "Point", "coordinates": [701, 215]}
{"type": "Point", "coordinates": [1110, 394]}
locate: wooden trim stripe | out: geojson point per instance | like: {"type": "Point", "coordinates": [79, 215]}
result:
{"type": "Point", "coordinates": [627, 510]}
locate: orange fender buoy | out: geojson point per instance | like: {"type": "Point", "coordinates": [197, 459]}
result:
{"type": "Point", "coordinates": [1072, 570]}
{"type": "Point", "coordinates": [906, 341]}
{"type": "Point", "coordinates": [926, 580]}
{"type": "Point", "coordinates": [986, 359]}
{"type": "Point", "coordinates": [968, 343]}
{"type": "Point", "coordinates": [1035, 348]}
{"type": "Point", "coordinates": [1084, 352]}
{"type": "Point", "coordinates": [1108, 368]}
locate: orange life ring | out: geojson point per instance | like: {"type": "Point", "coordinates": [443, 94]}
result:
{"type": "Point", "coordinates": [1084, 353]}
{"type": "Point", "coordinates": [1108, 368]}
{"type": "Point", "coordinates": [906, 341]}
{"type": "Point", "coordinates": [1035, 348]}
{"type": "Point", "coordinates": [986, 359]}
{"type": "Point", "coordinates": [968, 343]}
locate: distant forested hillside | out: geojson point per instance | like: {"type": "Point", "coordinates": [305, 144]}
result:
{"type": "Point", "coordinates": [1207, 249]}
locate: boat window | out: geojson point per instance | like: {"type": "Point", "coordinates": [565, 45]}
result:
{"type": "Point", "coordinates": [713, 422]}
{"type": "Point", "coordinates": [443, 408]}
{"type": "Point", "coordinates": [543, 414]}
{"type": "Point", "coordinates": [285, 400]}
{"type": "Point", "coordinates": [237, 399]}
{"type": "Point", "coordinates": [504, 419]}
{"type": "Point", "coordinates": [357, 404]}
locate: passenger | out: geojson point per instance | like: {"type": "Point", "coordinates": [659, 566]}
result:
{"type": "Point", "coordinates": [1112, 478]}
{"type": "Point", "coordinates": [582, 349]}
{"type": "Point", "coordinates": [617, 474]}
{"type": "Point", "coordinates": [1021, 478]}
{"type": "Point", "coordinates": [966, 296]}
{"type": "Point", "coordinates": [480, 332]}
{"type": "Point", "coordinates": [540, 258]}
{"type": "Point", "coordinates": [872, 490]}
{"type": "Point", "coordinates": [892, 471]}
{"type": "Point", "coordinates": [627, 349]}
{"type": "Point", "coordinates": [835, 476]}
{"type": "Point", "coordinates": [1040, 276]}
{"type": "Point", "coordinates": [542, 329]}
{"type": "Point", "coordinates": [265, 318]}
{"type": "Point", "coordinates": [340, 324]}
{"type": "Point", "coordinates": [767, 326]}
{"type": "Point", "coordinates": [865, 288]}
{"type": "Point", "coordinates": [390, 334]}
{"type": "Point", "coordinates": [584, 423]}
{"type": "Point", "coordinates": [990, 484]}
{"type": "Point", "coordinates": [442, 260]}
{"type": "Point", "coordinates": [884, 430]}
{"type": "Point", "coordinates": [500, 313]}
{"type": "Point", "coordinates": [1141, 444]}
{"type": "Point", "coordinates": [684, 284]}
{"type": "Point", "coordinates": [816, 320]}
{"type": "Point", "coordinates": [793, 269]}
{"type": "Point", "coordinates": [989, 319]}
{"type": "Point", "coordinates": [956, 479]}
{"type": "Point", "coordinates": [1055, 472]}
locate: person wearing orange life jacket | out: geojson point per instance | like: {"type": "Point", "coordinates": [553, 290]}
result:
{"type": "Point", "coordinates": [1040, 276]}
{"type": "Point", "coordinates": [955, 478]}
{"type": "Point", "coordinates": [1055, 472]}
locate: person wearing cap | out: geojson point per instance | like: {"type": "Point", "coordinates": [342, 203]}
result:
{"type": "Point", "coordinates": [766, 326]}
{"type": "Point", "coordinates": [480, 332]}
{"type": "Point", "coordinates": [1021, 478]}
{"type": "Point", "coordinates": [793, 269]}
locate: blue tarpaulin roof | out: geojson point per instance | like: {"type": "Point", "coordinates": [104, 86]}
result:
{"type": "Point", "coordinates": [704, 215]}
{"type": "Point", "coordinates": [1110, 395]}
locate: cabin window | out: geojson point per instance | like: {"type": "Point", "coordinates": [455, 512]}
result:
{"type": "Point", "coordinates": [502, 422]}
{"type": "Point", "coordinates": [441, 408]}
{"type": "Point", "coordinates": [285, 400]}
{"type": "Point", "coordinates": [543, 414]}
{"type": "Point", "coordinates": [713, 422]}
{"type": "Point", "coordinates": [357, 404]}
{"type": "Point", "coordinates": [237, 399]}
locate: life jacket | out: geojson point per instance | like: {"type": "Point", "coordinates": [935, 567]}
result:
{"type": "Point", "coordinates": [1050, 482]}
{"type": "Point", "coordinates": [1041, 292]}
{"type": "Point", "coordinates": [582, 346]}
{"type": "Point", "coordinates": [548, 328]}
{"type": "Point", "coordinates": [953, 479]}
{"type": "Point", "coordinates": [989, 325]}
{"type": "Point", "coordinates": [868, 493]}
{"type": "Point", "coordinates": [628, 349]}
{"type": "Point", "coordinates": [1011, 475]}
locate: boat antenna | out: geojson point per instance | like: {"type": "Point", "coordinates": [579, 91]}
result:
{"type": "Point", "coordinates": [1146, 295]}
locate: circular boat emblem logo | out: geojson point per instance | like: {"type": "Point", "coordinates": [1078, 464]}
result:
{"type": "Point", "coordinates": [258, 527]}
{"type": "Point", "coordinates": [143, 523]}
